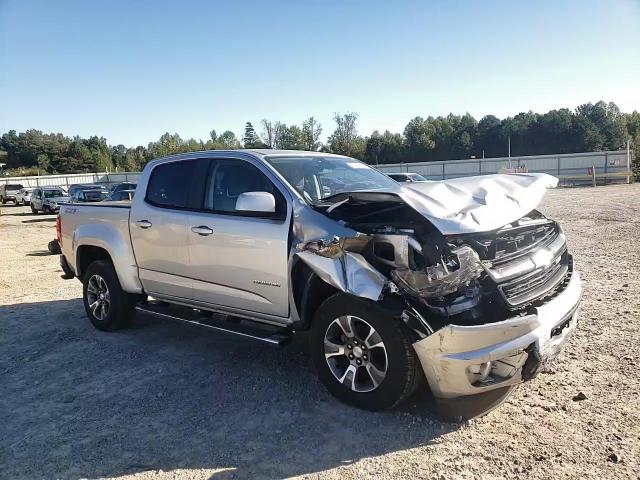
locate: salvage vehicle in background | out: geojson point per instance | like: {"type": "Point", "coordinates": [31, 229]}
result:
{"type": "Point", "coordinates": [23, 197]}
{"type": "Point", "coordinates": [120, 195]}
{"type": "Point", "coordinates": [47, 199]}
{"type": "Point", "coordinates": [407, 177]}
{"type": "Point", "coordinates": [8, 192]}
{"type": "Point", "coordinates": [123, 186]}
{"type": "Point", "coordinates": [82, 195]}
{"type": "Point", "coordinates": [460, 282]}
{"type": "Point", "coordinates": [73, 188]}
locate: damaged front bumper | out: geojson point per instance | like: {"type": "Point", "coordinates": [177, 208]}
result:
{"type": "Point", "coordinates": [472, 369]}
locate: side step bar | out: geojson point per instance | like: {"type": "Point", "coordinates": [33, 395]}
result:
{"type": "Point", "coordinates": [222, 323]}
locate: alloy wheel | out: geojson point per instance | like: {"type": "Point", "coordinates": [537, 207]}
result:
{"type": "Point", "coordinates": [98, 297]}
{"type": "Point", "coordinates": [355, 353]}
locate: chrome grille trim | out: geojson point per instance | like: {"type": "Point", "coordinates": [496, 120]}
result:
{"type": "Point", "coordinates": [537, 261]}
{"type": "Point", "coordinates": [536, 284]}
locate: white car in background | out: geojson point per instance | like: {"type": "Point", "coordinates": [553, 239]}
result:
{"type": "Point", "coordinates": [407, 177]}
{"type": "Point", "coordinates": [23, 197]}
{"type": "Point", "coordinates": [47, 199]}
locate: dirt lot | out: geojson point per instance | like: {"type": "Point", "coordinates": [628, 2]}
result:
{"type": "Point", "coordinates": [173, 401]}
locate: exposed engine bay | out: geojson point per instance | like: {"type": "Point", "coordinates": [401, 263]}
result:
{"type": "Point", "coordinates": [464, 279]}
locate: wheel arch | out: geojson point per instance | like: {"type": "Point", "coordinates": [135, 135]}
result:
{"type": "Point", "coordinates": [309, 291]}
{"type": "Point", "coordinates": [86, 255]}
{"type": "Point", "coordinates": [103, 242]}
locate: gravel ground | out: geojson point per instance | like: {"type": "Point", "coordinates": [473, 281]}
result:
{"type": "Point", "coordinates": [172, 401]}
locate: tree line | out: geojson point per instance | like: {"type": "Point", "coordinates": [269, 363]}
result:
{"type": "Point", "coordinates": [590, 127]}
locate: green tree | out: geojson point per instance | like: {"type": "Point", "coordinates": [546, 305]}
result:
{"type": "Point", "coordinates": [251, 138]}
{"type": "Point", "coordinates": [419, 136]}
{"type": "Point", "coordinates": [311, 131]}
{"type": "Point", "coordinates": [345, 139]}
{"type": "Point", "coordinates": [228, 141]}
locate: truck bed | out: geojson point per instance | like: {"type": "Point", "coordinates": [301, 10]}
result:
{"type": "Point", "coordinates": [103, 225]}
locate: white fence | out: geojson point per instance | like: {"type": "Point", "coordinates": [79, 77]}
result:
{"type": "Point", "coordinates": [569, 168]}
{"type": "Point", "coordinates": [106, 179]}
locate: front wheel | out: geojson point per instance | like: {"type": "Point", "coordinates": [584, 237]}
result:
{"type": "Point", "coordinates": [107, 305]}
{"type": "Point", "coordinates": [33, 209]}
{"type": "Point", "coordinates": [363, 356]}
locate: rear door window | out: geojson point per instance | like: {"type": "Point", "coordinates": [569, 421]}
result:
{"type": "Point", "coordinates": [170, 184]}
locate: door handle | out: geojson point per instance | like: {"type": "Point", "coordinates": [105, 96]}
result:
{"type": "Point", "coordinates": [144, 223]}
{"type": "Point", "coordinates": [202, 230]}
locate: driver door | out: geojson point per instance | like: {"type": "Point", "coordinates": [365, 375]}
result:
{"type": "Point", "coordinates": [239, 259]}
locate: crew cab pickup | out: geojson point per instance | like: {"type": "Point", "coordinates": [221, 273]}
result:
{"type": "Point", "coordinates": [459, 283]}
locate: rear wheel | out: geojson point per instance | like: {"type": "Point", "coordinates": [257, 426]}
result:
{"type": "Point", "coordinates": [4, 201]}
{"type": "Point", "coordinates": [363, 356]}
{"type": "Point", "coordinates": [107, 305]}
{"type": "Point", "coordinates": [33, 209]}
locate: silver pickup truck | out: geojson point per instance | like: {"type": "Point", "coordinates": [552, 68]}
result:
{"type": "Point", "coordinates": [461, 283]}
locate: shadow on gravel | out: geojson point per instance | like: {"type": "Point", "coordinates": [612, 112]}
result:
{"type": "Point", "coordinates": [40, 253]}
{"type": "Point", "coordinates": [38, 220]}
{"type": "Point", "coordinates": [9, 213]}
{"type": "Point", "coordinates": [165, 396]}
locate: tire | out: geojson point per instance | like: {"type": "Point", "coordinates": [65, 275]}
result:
{"type": "Point", "coordinates": [115, 307]}
{"type": "Point", "coordinates": [54, 247]}
{"type": "Point", "coordinates": [4, 201]}
{"type": "Point", "coordinates": [45, 210]}
{"type": "Point", "coordinates": [33, 209]}
{"type": "Point", "coordinates": [367, 389]}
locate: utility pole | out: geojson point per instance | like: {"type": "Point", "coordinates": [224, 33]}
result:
{"type": "Point", "coordinates": [509, 147]}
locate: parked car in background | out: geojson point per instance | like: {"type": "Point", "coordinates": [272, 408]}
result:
{"type": "Point", "coordinates": [78, 186]}
{"type": "Point", "coordinates": [120, 195]}
{"type": "Point", "coordinates": [47, 199]}
{"type": "Point", "coordinates": [123, 186]}
{"type": "Point", "coordinates": [407, 177]}
{"type": "Point", "coordinates": [23, 197]}
{"type": "Point", "coordinates": [8, 192]}
{"type": "Point", "coordinates": [397, 283]}
{"type": "Point", "coordinates": [89, 195]}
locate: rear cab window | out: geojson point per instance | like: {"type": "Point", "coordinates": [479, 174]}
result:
{"type": "Point", "coordinates": [170, 184]}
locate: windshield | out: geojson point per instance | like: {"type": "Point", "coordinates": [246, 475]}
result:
{"type": "Point", "coordinates": [417, 178]}
{"type": "Point", "coordinates": [53, 193]}
{"type": "Point", "coordinates": [15, 186]}
{"type": "Point", "coordinates": [399, 177]}
{"type": "Point", "coordinates": [95, 195]}
{"type": "Point", "coordinates": [316, 178]}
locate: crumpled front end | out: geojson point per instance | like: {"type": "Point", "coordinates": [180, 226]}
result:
{"type": "Point", "coordinates": [488, 309]}
{"type": "Point", "coordinates": [462, 362]}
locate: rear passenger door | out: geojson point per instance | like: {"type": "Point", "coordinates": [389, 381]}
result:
{"type": "Point", "coordinates": [239, 259]}
{"type": "Point", "coordinates": [158, 225]}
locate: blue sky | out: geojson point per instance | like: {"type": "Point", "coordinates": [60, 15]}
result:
{"type": "Point", "coordinates": [131, 70]}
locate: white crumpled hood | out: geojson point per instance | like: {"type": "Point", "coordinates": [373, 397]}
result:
{"type": "Point", "coordinates": [477, 204]}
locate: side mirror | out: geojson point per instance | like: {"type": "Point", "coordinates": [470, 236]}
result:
{"type": "Point", "coordinates": [256, 202]}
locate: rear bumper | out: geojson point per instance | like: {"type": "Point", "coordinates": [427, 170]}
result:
{"type": "Point", "coordinates": [472, 368]}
